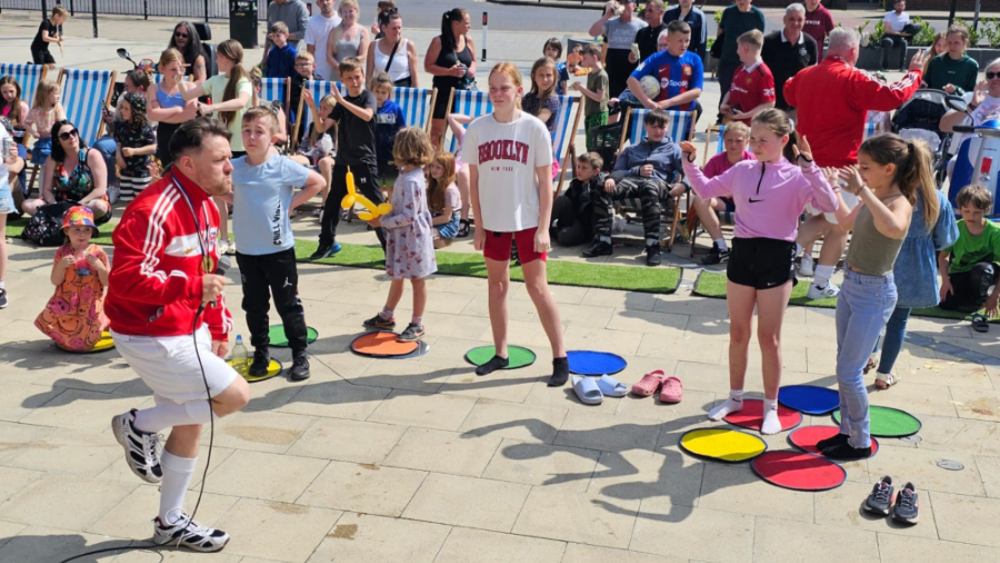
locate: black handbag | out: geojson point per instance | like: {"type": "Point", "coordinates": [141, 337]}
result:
{"type": "Point", "coordinates": [45, 226]}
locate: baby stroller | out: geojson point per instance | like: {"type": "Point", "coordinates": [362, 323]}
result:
{"type": "Point", "coordinates": [920, 118]}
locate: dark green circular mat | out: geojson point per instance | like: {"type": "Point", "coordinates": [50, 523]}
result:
{"type": "Point", "coordinates": [887, 422]}
{"type": "Point", "coordinates": [518, 357]}
{"type": "Point", "coordinates": [277, 335]}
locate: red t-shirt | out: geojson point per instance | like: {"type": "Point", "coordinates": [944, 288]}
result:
{"type": "Point", "coordinates": [818, 25]}
{"type": "Point", "coordinates": [751, 87]}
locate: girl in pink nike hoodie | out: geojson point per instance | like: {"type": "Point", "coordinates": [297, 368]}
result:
{"type": "Point", "coordinates": [770, 194]}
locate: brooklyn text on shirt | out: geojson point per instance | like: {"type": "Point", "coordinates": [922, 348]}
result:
{"type": "Point", "coordinates": [503, 150]}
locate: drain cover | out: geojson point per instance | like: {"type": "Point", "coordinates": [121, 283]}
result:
{"type": "Point", "coordinates": [914, 439]}
{"type": "Point", "coordinates": [950, 465]}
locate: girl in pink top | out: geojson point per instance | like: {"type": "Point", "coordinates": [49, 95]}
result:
{"type": "Point", "coordinates": [734, 139]}
{"type": "Point", "coordinates": [770, 194]}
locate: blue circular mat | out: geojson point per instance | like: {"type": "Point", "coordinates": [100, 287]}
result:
{"type": "Point", "coordinates": [809, 399]}
{"type": "Point", "coordinates": [587, 362]}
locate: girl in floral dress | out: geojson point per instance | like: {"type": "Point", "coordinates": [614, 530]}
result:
{"type": "Point", "coordinates": [409, 253]}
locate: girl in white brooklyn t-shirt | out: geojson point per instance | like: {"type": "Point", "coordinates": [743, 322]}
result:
{"type": "Point", "coordinates": [509, 154]}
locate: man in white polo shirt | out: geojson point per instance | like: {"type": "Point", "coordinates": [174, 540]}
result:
{"type": "Point", "coordinates": [317, 31]}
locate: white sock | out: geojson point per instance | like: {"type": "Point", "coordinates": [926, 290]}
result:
{"type": "Point", "coordinates": [798, 249]}
{"type": "Point", "coordinates": [771, 424]}
{"type": "Point", "coordinates": [2, 285]}
{"type": "Point", "coordinates": [170, 414]}
{"type": "Point", "coordinates": [733, 404]}
{"type": "Point", "coordinates": [177, 472]}
{"type": "Point", "coordinates": [822, 276]}
{"type": "Point", "coordinates": [721, 243]}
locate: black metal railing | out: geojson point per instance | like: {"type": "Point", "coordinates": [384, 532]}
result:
{"type": "Point", "coordinates": [189, 9]}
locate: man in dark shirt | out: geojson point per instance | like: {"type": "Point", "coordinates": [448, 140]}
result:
{"type": "Point", "coordinates": [736, 20]}
{"type": "Point", "coordinates": [695, 18]}
{"type": "Point", "coordinates": [647, 36]}
{"type": "Point", "coordinates": [788, 51]}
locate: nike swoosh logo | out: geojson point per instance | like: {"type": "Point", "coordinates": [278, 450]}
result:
{"type": "Point", "coordinates": [752, 200]}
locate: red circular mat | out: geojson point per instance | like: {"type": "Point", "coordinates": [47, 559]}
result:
{"type": "Point", "coordinates": [805, 438]}
{"type": "Point", "coordinates": [382, 344]}
{"type": "Point", "coordinates": [798, 471]}
{"type": "Point", "coordinates": [752, 416]}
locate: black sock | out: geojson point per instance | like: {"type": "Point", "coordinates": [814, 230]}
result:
{"type": "Point", "coordinates": [836, 440]}
{"type": "Point", "coordinates": [560, 372]}
{"type": "Point", "coordinates": [495, 363]}
{"type": "Point", "coordinates": [845, 451]}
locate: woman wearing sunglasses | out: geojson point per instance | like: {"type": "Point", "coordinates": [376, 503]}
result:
{"type": "Point", "coordinates": [75, 173]}
{"type": "Point", "coordinates": [185, 39]}
{"type": "Point", "coordinates": [984, 105]}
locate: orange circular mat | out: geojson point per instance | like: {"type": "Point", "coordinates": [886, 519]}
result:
{"type": "Point", "coordinates": [382, 344]}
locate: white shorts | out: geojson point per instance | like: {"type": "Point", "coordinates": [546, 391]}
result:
{"type": "Point", "coordinates": [850, 199]}
{"type": "Point", "coordinates": [169, 366]}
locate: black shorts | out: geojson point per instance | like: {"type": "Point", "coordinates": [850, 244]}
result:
{"type": "Point", "coordinates": [761, 263]}
{"type": "Point", "coordinates": [42, 57]}
{"type": "Point", "coordinates": [441, 108]}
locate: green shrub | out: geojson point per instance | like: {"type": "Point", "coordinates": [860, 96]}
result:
{"type": "Point", "coordinates": [878, 33]}
{"type": "Point", "coordinates": [990, 29]}
{"type": "Point", "coordinates": [974, 34]}
{"type": "Point", "coordinates": [718, 16]}
{"type": "Point", "coordinates": [924, 37]}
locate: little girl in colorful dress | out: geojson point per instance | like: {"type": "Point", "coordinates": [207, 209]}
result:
{"type": "Point", "coordinates": [74, 316]}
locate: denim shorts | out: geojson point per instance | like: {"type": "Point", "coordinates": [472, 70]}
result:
{"type": "Point", "coordinates": [449, 229]}
{"type": "Point", "coordinates": [6, 199]}
{"type": "Point", "coordinates": [41, 150]}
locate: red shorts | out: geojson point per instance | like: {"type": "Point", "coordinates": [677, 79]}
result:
{"type": "Point", "coordinates": [498, 246]}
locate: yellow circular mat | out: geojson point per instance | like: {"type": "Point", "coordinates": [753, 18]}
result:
{"type": "Point", "coordinates": [722, 444]}
{"type": "Point", "coordinates": [272, 370]}
{"type": "Point", "coordinates": [105, 343]}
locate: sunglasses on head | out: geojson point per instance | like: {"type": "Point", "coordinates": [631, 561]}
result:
{"type": "Point", "coordinates": [992, 75]}
{"type": "Point", "coordinates": [67, 135]}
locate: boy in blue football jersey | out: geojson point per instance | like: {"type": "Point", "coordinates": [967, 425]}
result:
{"type": "Point", "coordinates": [679, 71]}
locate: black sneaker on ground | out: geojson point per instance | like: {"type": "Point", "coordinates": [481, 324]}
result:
{"type": "Point", "coordinates": [325, 251]}
{"type": "Point", "coordinates": [716, 256]}
{"type": "Point", "coordinates": [906, 510]}
{"type": "Point", "coordinates": [261, 361]}
{"type": "Point", "coordinates": [300, 366]}
{"type": "Point", "coordinates": [598, 248]}
{"type": "Point", "coordinates": [881, 498]}
{"type": "Point", "coordinates": [653, 255]}
{"type": "Point", "coordinates": [378, 322]}
{"type": "Point", "coordinates": [412, 332]}
{"type": "Point", "coordinates": [190, 534]}
{"type": "Point", "coordinates": [142, 449]}
{"type": "Point", "coordinates": [3, 298]}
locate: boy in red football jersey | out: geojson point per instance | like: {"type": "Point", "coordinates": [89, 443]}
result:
{"type": "Point", "coordinates": [752, 90]}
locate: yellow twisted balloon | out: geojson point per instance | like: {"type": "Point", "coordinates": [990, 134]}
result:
{"type": "Point", "coordinates": [354, 196]}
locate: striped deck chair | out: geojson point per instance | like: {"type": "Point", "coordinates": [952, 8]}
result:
{"type": "Point", "coordinates": [680, 127]}
{"type": "Point", "coordinates": [726, 218]}
{"type": "Point", "coordinates": [567, 124]}
{"type": "Point", "coordinates": [28, 76]}
{"type": "Point", "coordinates": [320, 89]}
{"type": "Point", "coordinates": [417, 105]}
{"type": "Point", "coordinates": [85, 94]}
{"type": "Point", "coordinates": [473, 104]}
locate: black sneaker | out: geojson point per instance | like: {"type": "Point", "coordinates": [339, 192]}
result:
{"type": "Point", "coordinates": [653, 255]}
{"type": "Point", "coordinates": [300, 366]}
{"type": "Point", "coordinates": [907, 505]}
{"type": "Point", "coordinates": [716, 256]}
{"type": "Point", "coordinates": [3, 298]}
{"type": "Point", "coordinates": [261, 362]}
{"type": "Point", "coordinates": [378, 322]}
{"type": "Point", "coordinates": [325, 251]}
{"type": "Point", "coordinates": [190, 534]}
{"type": "Point", "coordinates": [598, 248]}
{"type": "Point", "coordinates": [881, 498]}
{"type": "Point", "coordinates": [142, 449]}
{"type": "Point", "coordinates": [412, 332]}
{"type": "Point", "coordinates": [463, 228]}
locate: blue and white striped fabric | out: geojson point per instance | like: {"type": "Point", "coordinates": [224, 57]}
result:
{"type": "Point", "coordinates": [276, 89]}
{"type": "Point", "coordinates": [320, 89]}
{"type": "Point", "coordinates": [417, 106]}
{"type": "Point", "coordinates": [473, 104]}
{"type": "Point", "coordinates": [85, 94]}
{"type": "Point", "coordinates": [872, 128]}
{"type": "Point", "coordinates": [678, 126]}
{"type": "Point", "coordinates": [27, 76]}
{"type": "Point", "coordinates": [721, 145]}
{"type": "Point", "coordinates": [564, 124]}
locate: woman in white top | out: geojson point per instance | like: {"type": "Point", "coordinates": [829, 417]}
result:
{"type": "Point", "coordinates": [509, 153]}
{"type": "Point", "coordinates": [347, 40]}
{"type": "Point", "coordinates": [392, 53]}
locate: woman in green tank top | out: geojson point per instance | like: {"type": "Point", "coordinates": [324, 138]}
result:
{"type": "Point", "coordinates": [889, 173]}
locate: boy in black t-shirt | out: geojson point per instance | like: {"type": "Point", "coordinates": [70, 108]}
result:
{"type": "Point", "coordinates": [48, 32]}
{"type": "Point", "coordinates": [355, 117]}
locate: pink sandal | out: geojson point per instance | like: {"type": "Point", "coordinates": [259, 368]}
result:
{"type": "Point", "coordinates": [649, 383]}
{"type": "Point", "coordinates": [672, 390]}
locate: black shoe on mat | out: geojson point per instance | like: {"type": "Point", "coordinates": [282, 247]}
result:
{"type": "Point", "coordinates": [300, 366]}
{"type": "Point", "coordinates": [260, 363]}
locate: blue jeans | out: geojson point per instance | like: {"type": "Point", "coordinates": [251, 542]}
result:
{"type": "Point", "coordinates": [863, 307]}
{"type": "Point", "coordinates": [892, 342]}
{"type": "Point", "coordinates": [107, 147]}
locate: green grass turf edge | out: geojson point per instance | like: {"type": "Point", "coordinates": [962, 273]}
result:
{"type": "Point", "coordinates": [713, 285]}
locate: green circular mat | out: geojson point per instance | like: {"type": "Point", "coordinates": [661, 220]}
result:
{"type": "Point", "coordinates": [888, 422]}
{"type": "Point", "coordinates": [277, 335]}
{"type": "Point", "coordinates": [518, 357]}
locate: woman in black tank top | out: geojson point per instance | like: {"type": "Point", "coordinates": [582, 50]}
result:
{"type": "Point", "coordinates": [451, 61]}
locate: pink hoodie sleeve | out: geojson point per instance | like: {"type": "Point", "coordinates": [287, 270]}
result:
{"type": "Point", "coordinates": [819, 193]}
{"type": "Point", "coordinates": [719, 186]}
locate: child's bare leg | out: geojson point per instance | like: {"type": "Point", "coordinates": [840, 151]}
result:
{"type": "Point", "coordinates": [462, 179]}
{"type": "Point", "coordinates": [325, 166]}
{"type": "Point", "coordinates": [498, 280]}
{"type": "Point", "coordinates": [740, 300]}
{"type": "Point", "coordinates": [419, 299]}
{"type": "Point", "coordinates": [437, 132]}
{"type": "Point", "coordinates": [395, 294]}
{"type": "Point", "coordinates": [548, 312]}
{"type": "Point", "coordinates": [771, 304]}
{"type": "Point", "coordinates": [705, 208]}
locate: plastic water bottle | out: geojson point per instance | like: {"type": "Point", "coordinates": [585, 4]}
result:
{"type": "Point", "coordinates": [241, 362]}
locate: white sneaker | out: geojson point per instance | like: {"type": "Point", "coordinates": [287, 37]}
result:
{"type": "Point", "coordinates": [190, 534]}
{"type": "Point", "coordinates": [806, 266]}
{"type": "Point", "coordinates": [142, 450]}
{"type": "Point", "coordinates": [831, 290]}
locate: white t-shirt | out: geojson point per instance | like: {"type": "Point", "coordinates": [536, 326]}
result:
{"type": "Point", "coordinates": [506, 155]}
{"type": "Point", "coordinates": [988, 110]}
{"type": "Point", "coordinates": [896, 23]}
{"type": "Point", "coordinates": [317, 31]}
{"type": "Point", "coordinates": [4, 171]}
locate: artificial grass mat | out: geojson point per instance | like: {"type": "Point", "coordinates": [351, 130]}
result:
{"type": "Point", "coordinates": [628, 278]}
{"type": "Point", "coordinates": [713, 284]}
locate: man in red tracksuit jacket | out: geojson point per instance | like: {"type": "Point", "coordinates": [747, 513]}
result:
{"type": "Point", "coordinates": [161, 293]}
{"type": "Point", "coordinates": [831, 100]}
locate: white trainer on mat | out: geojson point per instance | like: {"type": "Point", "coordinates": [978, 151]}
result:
{"type": "Point", "coordinates": [188, 533]}
{"type": "Point", "coordinates": [831, 290]}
